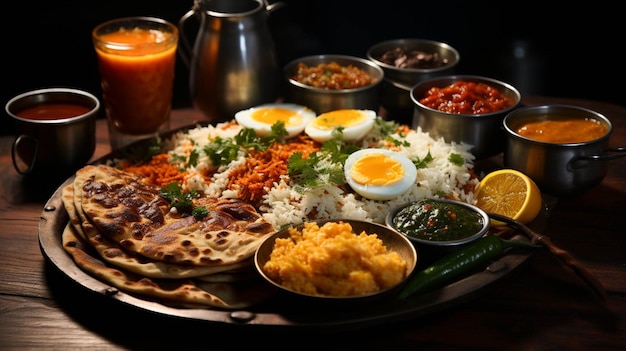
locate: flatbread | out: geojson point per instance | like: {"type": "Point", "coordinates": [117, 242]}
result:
{"type": "Point", "coordinates": [123, 232]}
{"type": "Point", "coordinates": [131, 213]}
{"type": "Point", "coordinates": [185, 292]}
{"type": "Point", "coordinates": [113, 254]}
{"type": "Point", "coordinates": [67, 196]}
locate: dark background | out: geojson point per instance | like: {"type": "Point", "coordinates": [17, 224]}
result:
{"type": "Point", "coordinates": [563, 51]}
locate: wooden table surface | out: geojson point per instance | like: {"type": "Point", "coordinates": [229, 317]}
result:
{"type": "Point", "coordinates": [541, 305]}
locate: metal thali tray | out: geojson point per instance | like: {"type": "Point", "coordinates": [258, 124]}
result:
{"type": "Point", "coordinates": [277, 311]}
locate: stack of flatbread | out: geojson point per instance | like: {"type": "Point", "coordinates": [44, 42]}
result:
{"type": "Point", "coordinates": [123, 232]}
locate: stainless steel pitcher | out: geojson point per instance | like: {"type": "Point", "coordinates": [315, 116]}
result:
{"type": "Point", "coordinates": [233, 64]}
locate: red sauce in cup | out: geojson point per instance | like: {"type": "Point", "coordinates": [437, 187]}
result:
{"type": "Point", "coordinates": [464, 97]}
{"type": "Point", "coordinates": [51, 111]}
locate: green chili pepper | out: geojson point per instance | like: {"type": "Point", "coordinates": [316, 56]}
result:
{"type": "Point", "coordinates": [459, 263]}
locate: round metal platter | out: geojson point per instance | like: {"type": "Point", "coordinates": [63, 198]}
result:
{"type": "Point", "coordinates": [277, 311]}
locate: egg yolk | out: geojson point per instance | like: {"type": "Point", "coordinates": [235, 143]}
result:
{"type": "Point", "coordinates": [275, 114]}
{"type": "Point", "coordinates": [377, 169]}
{"type": "Point", "coordinates": [345, 118]}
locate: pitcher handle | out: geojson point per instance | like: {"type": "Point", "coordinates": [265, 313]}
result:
{"type": "Point", "coordinates": [186, 51]}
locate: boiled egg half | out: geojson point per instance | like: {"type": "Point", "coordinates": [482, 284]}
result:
{"type": "Point", "coordinates": [379, 174]}
{"type": "Point", "coordinates": [261, 118]}
{"type": "Point", "coordinates": [356, 124]}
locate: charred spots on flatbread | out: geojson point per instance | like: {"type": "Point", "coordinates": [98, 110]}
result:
{"type": "Point", "coordinates": [222, 237]}
{"type": "Point", "coordinates": [100, 194]}
{"type": "Point", "coordinates": [90, 187]}
{"type": "Point", "coordinates": [72, 244]}
{"type": "Point", "coordinates": [239, 210]}
{"type": "Point", "coordinates": [152, 211]}
{"type": "Point", "coordinates": [108, 228]}
{"type": "Point", "coordinates": [139, 229]}
{"type": "Point", "coordinates": [128, 244]}
{"type": "Point", "coordinates": [134, 207]}
{"type": "Point", "coordinates": [260, 228]}
{"type": "Point", "coordinates": [235, 207]}
{"type": "Point", "coordinates": [112, 252]}
{"type": "Point", "coordinates": [217, 220]}
{"type": "Point", "coordinates": [124, 215]}
{"type": "Point", "coordinates": [210, 261]}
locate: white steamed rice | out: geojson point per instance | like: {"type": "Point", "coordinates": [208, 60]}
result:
{"type": "Point", "coordinates": [283, 205]}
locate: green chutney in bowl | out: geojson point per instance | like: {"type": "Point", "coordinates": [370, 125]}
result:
{"type": "Point", "coordinates": [438, 226]}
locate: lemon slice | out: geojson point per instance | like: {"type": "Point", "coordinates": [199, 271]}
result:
{"type": "Point", "coordinates": [510, 193]}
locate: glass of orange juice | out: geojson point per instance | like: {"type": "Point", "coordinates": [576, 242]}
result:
{"type": "Point", "coordinates": [136, 60]}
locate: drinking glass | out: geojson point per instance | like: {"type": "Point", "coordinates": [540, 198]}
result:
{"type": "Point", "coordinates": [136, 60]}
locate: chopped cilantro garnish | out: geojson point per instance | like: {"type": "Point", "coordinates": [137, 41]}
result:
{"type": "Point", "coordinates": [199, 212]}
{"type": "Point", "coordinates": [193, 158]}
{"type": "Point", "coordinates": [322, 167]}
{"type": "Point", "coordinates": [423, 163]}
{"type": "Point", "coordinates": [278, 133]}
{"type": "Point", "coordinates": [181, 201]}
{"type": "Point", "coordinates": [456, 159]}
{"type": "Point", "coordinates": [385, 127]}
{"type": "Point", "coordinates": [302, 170]}
{"type": "Point", "coordinates": [222, 151]}
{"type": "Point", "coordinates": [397, 142]}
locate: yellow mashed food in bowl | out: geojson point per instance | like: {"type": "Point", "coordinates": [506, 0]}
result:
{"type": "Point", "coordinates": [334, 260]}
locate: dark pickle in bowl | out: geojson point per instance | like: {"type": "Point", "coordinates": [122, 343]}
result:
{"type": "Point", "coordinates": [417, 59]}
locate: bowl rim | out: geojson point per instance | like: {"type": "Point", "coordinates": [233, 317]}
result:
{"type": "Point", "coordinates": [284, 232]}
{"type": "Point", "coordinates": [444, 81]}
{"type": "Point", "coordinates": [327, 58]}
{"type": "Point", "coordinates": [448, 243]}
{"type": "Point", "coordinates": [412, 41]}
{"type": "Point", "coordinates": [541, 112]}
{"type": "Point", "coordinates": [53, 95]}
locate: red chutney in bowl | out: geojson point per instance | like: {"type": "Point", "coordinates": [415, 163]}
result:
{"type": "Point", "coordinates": [464, 97]}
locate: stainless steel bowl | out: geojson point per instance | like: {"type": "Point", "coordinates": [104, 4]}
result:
{"type": "Point", "coordinates": [324, 100]}
{"type": "Point", "coordinates": [558, 169]}
{"type": "Point", "coordinates": [412, 76]}
{"type": "Point", "coordinates": [431, 250]}
{"type": "Point", "coordinates": [483, 131]}
{"type": "Point", "coordinates": [395, 90]}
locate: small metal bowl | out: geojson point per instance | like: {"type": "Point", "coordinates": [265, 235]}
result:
{"type": "Point", "coordinates": [431, 250]}
{"type": "Point", "coordinates": [392, 240]}
{"type": "Point", "coordinates": [412, 76]}
{"type": "Point", "coordinates": [557, 168]}
{"type": "Point", "coordinates": [483, 131]}
{"type": "Point", "coordinates": [324, 100]}
{"type": "Point", "coordinates": [395, 90]}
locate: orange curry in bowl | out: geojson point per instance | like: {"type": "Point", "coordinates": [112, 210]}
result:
{"type": "Point", "coordinates": [563, 131]}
